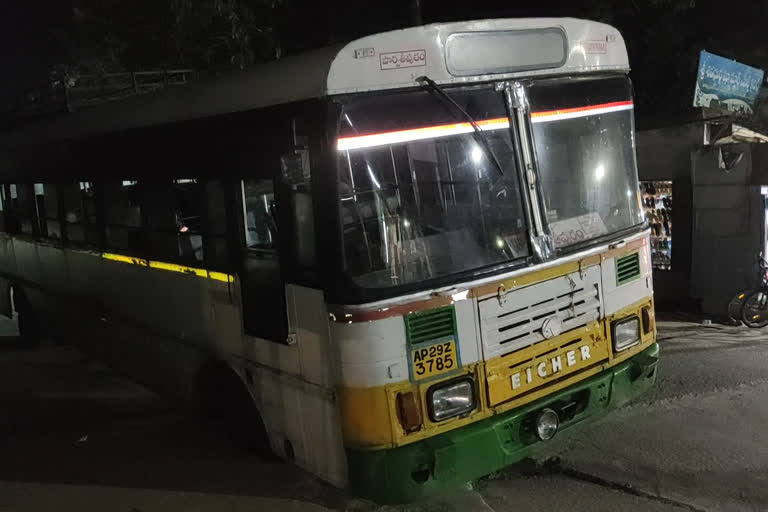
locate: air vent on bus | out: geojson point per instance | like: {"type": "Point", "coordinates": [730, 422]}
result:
{"type": "Point", "coordinates": [627, 268]}
{"type": "Point", "coordinates": [517, 321]}
{"type": "Point", "coordinates": [430, 325]}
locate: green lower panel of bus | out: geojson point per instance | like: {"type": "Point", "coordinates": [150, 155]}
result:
{"type": "Point", "coordinates": [427, 467]}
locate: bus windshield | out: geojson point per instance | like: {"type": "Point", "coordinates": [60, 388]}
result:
{"type": "Point", "coordinates": [583, 137]}
{"type": "Point", "coordinates": [420, 197]}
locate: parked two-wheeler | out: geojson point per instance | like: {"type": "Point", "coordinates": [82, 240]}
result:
{"type": "Point", "coordinates": [751, 306]}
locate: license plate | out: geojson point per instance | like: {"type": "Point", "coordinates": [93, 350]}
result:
{"type": "Point", "coordinates": [434, 359]}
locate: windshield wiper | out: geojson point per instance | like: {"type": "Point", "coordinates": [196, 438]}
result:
{"type": "Point", "coordinates": [480, 137]}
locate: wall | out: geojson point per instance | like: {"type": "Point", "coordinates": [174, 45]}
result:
{"type": "Point", "coordinates": [718, 216]}
{"type": "Point", "coordinates": [665, 153]}
{"type": "Point", "coordinates": [728, 216]}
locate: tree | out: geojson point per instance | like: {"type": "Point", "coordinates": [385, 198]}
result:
{"type": "Point", "coordinates": [663, 37]}
{"type": "Point", "coordinates": [116, 35]}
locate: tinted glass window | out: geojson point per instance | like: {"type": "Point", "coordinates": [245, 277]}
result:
{"type": "Point", "coordinates": [47, 196]}
{"type": "Point", "coordinates": [586, 157]}
{"type": "Point", "coordinates": [27, 210]}
{"type": "Point", "coordinates": [123, 216]}
{"type": "Point", "coordinates": [176, 220]}
{"type": "Point", "coordinates": [260, 214]}
{"type": "Point", "coordinates": [80, 212]}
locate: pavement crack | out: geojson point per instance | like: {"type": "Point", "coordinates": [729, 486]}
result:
{"type": "Point", "coordinates": [618, 486]}
{"type": "Point", "coordinates": [484, 502]}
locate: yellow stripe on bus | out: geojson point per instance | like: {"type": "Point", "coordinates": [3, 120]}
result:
{"type": "Point", "coordinates": [125, 259]}
{"type": "Point", "coordinates": [220, 276]}
{"type": "Point", "coordinates": [173, 267]}
{"type": "Point", "coordinates": [170, 267]}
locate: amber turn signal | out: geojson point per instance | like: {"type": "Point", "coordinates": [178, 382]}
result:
{"type": "Point", "coordinates": [408, 411]}
{"type": "Point", "coordinates": [649, 320]}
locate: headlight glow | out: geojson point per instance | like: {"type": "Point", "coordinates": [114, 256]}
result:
{"type": "Point", "coordinates": [626, 333]}
{"type": "Point", "coordinates": [448, 400]}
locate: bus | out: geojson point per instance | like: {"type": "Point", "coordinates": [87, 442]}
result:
{"type": "Point", "coordinates": [418, 255]}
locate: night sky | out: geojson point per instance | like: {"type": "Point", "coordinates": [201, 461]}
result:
{"type": "Point", "coordinates": [664, 37]}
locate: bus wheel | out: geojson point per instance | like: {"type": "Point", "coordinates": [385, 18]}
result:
{"type": "Point", "coordinates": [223, 399]}
{"type": "Point", "coordinates": [26, 320]}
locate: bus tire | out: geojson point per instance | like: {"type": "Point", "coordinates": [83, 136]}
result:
{"type": "Point", "coordinates": [225, 402]}
{"type": "Point", "coordinates": [26, 320]}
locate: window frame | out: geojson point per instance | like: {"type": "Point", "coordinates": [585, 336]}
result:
{"type": "Point", "coordinates": [274, 247]}
{"type": "Point", "coordinates": [26, 211]}
{"type": "Point", "coordinates": [153, 232]}
{"type": "Point", "coordinates": [93, 232]}
{"type": "Point", "coordinates": [50, 189]}
{"type": "Point", "coordinates": [142, 247]}
{"type": "Point", "coordinates": [599, 85]}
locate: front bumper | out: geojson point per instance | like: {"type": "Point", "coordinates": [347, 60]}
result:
{"type": "Point", "coordinates": [424, 468]}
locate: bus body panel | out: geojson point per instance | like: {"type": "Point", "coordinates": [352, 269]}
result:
{"type": "Point", "coordinates": [433, 465]}
{"type": "Point", "coordinates": [588, 376]}
{"type": "Point", "coordinates": [128, 313]}
{"type": "Point", "coordinates": [592, 45]}
{"type": "Point", "coordinates": [295, 387]}
{"type": "Point", "coordinates": [617, 296]}
{"type": "Point", "coordinates": [369, 405]}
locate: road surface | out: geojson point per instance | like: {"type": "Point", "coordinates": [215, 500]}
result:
{"type": "Point", "coordinates": [74, 436]}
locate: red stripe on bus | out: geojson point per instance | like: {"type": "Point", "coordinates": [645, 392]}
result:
{"type": "Point", "coordinates": [425, 131]}
{"type": "Point", "coordinates": [574, 110]}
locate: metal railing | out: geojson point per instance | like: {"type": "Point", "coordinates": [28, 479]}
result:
{"type": "Point", "coordinates": [84, 91]}
{"type": "Point", "coordinates": [90, 90]}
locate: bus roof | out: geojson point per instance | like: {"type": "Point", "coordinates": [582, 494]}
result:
{"type": "Point", "coordinates": [449, 53]}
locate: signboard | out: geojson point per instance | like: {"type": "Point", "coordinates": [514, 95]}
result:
{"type": "Point", "coordinates": [577, 229]}
{"type": "Point", "coordinates": [726, 84]}
{"type": "Point", "coordinates": [407, 59]}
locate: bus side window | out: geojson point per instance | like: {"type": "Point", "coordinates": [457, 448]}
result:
{"type": "Point", "coordinates": [3, 224]}
{"type": "Point", "coordinates": [47, 197]}
{"type": "Point", "coordinates": [264, 312]}
{"type": "Point", "coordinates": [79, 205]}
{"type": "Point", "coordinates": [304, 232]}
{"type": "Point", "coordinates": [259, 209]}
{"type": "Point", "coordinates": [176, 221]}
{"type": "Point", "coordinates": [296, 191]}
{"type": "Point", "coordinates": [215, 227]}
{"type": "Point", "coordinates": [93, 231]}
{"type": "Point", "coordinates": [122, 217]}
{"type": "Point", "coordinates": [73, 214]}
{"type": "Point", "coordinates": [11, 208]}
{"type": "Point", "coordinates": [27, 210]}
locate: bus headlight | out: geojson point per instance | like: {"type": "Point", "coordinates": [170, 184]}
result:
{"type": "Point", "coordinates": [547, 423]}
{"type": "Point", "coordinates": [451, 399]}
{"type": "Point", "coordinates": [626, 333]}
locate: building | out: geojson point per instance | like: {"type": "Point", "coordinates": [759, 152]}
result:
{"type": "Point", "coordinates": [704, 192]}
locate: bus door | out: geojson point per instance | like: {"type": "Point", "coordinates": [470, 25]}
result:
{"type": "Point", "coordinates": [279, 239]}
{"type": "Point", "coordinates": [264, 311]}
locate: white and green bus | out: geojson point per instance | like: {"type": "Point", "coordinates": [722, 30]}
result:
{"type": "Point", "coordinates": [416, 255]}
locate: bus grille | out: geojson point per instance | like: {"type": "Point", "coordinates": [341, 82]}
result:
{"type": "Point", "coordinates": [516, 321]}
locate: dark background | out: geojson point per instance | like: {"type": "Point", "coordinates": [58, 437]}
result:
{"type": "Point", "coordinates": [44, 39]}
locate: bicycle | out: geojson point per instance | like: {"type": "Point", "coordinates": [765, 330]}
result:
{"type": "Point", "coordinates": [736, 306]}
{"type": "Point", "coordinates": [754, 304]}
